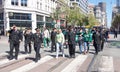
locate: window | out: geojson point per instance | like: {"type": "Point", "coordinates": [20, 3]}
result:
{"type": "Point", "coordinates": [1, 16]}
{"type": "Point", "coordinates": [23, 2]}
{"type": "Point", "coordinates": [21, 16]}
{"type": "Point", "coordinates": [0, 2]}
{"type": "Point", "coordinates": [39, 18]}
{"type": "Point", "coordinates": [45, 7]}
{"type": "Point", "coordinates": [37, 5]}
{"type": "Point", "coordinates": [14, 2]}
{"type": "Point", "coordinates": [40, 5]}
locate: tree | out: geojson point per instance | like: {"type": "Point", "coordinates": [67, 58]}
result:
{"type": "Point", "coordinates": [75, 16]}
{"type": "Point", "coordinates": [92, 21]}
{"type": "Point", "coordinates": [116, 21]}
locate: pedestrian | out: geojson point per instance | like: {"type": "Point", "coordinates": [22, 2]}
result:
{"type": "Point", "coordinates": [80, 40]}
{"type": "Point", "coordinates": [60, 40]}
{"type": "Point", "coordinates": [115, 33]}
{"type": "Point", "coordinates": [28, 39]}
{"type": "Point", "coordinates": [37, 39]}
{"type": "Point", "coordinates": [46, 37]}
{"type": "Point", "coordinates": [53, 44]}
{"type": "Point", "coordinates": [0, 33]}
{"type": "Point", "coordinates": [86, 40]}
{"type": "Point", "coordinates": [15, 37]}
{"type": "Point", "coordinates": [102, 39]}
{"type": "Point", "coordinates": [106, 34]}
{"type": "Point", "coordinates": [96, 41]}
{"type": "Point", "coordinates": [71, 42]}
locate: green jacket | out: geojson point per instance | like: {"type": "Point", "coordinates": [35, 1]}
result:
{"type": "Point", "coordinates": [86, 37]}
{"type": "Point", "coordinates": [91, 34]}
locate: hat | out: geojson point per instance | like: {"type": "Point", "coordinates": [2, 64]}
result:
{"type": "Point", "coordinates": [86, 29]}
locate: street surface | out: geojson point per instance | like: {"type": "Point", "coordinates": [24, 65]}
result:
{"type": "Point", "coordinates": [106, 61]}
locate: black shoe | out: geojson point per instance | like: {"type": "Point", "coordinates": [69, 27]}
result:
{"type": "Point", "coordinates": [51, 51]}
{"type": "Point", "coordinates": [73, 56]}
{"type": "Point", "coordinates": [16, 58]}
{"type": "Point", "coordinates": [96, 53]}
{"type": "Point", "coordinates": [39, 57]}
{"type": "Point", "coordinates": [36, 60]}
{"type": "Point", "coordinates": [10, 58]}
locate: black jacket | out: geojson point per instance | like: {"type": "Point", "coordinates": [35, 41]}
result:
{"type": "Point", "coordinates": [28, 37]}
{"type": "Point", "coordinates": [97, 38]}
{"type": "Point", "coordinates": [71, 37]}
{"type": "Point", "coordinates": [15, 36]}
{"type": "Point", "coordinates": [53, 35]}
{"type": "Point", "coordinates": [37, 38]}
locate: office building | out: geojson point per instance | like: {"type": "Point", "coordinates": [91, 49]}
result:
{"type": "Point", "coordinates": [26, 13]}
{"type": "Point", "coordinates": [83, 4]}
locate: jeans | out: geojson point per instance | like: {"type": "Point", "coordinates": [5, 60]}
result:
{"type": "Point", "coordinates": [86, 46]}
{"type": "Point", "coordinates": [59, 45]}
{"type": "Point", "coordinates": [80, 46]}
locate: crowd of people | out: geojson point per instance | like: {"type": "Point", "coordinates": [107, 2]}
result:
{"type": "Point", "coordinates": [58, 38]}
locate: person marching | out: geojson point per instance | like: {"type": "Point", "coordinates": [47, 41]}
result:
{"type": "Point", "coordinates": [53, 44]}
{"type": "Point", "coordinates": [102, 39]}
{"type": "Point", "coordinates": [46, 38]}
{"type": "Point", "coordinates": [86, 39]}
{"type": "Point", "coordinates": [80, 39]}
{"type": "Point", "coordinates": [28, 39]}
{"type": "Point", "coordinates": [37, 39]}
{"type": "Point", "coordinates": [97, 41]}
{"type": "Point", "coordinates": [59, 42]}
{"type": "Point", "coordinates": [15, 37]}
{"type": "Point", "coordinates": [71, 42]}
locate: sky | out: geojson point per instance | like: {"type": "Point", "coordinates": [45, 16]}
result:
{"type": "Point", "coordinates": [109, 5]}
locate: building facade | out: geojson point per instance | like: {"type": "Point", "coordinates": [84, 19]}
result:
{"type": "Point", "coordinates": [116, 9]}
{"type": "Point", "coordinates": [91, 10]}
{"type": "Point", "coordinates": [118, 3]}
{"type": "Point", "coordinates": [100, 13]}
{"type": "Point", "coordinates": [26, 13]}
{"type": "Point", "coordinates": [83, 4]}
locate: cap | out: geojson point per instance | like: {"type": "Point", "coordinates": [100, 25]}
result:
{"type": "Point", "coordinates": [86, 29]}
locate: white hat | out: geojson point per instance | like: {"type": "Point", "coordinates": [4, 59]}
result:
{"type": "Point", "coordinates": [86, 29]}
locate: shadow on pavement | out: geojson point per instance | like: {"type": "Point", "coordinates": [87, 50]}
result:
{"type": "Point", "coordinates": [30, 58]}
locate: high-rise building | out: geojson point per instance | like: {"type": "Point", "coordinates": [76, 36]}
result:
{"type": "Point", "coordinates": [83, 4]}
{"type": "Point", "coordinates": [100, 13]}
{"type": "Point", "coordinates": [102, 6]}
{"type": "Point", "coordinates": [118, 3]}
{"type": "Point", "coordinates": [91, 10]}
{"type": "Point", "coordinates": [26, 13]}
{"type": "Point", "coordinates": [116, 9]}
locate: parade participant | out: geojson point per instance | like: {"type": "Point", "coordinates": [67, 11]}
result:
{"type": "Point", "coordinates": [37, 39]}
{"type": "Point", "coordinates": [46, 37]}
{"type": "Point", "coordinates": [80, 39]}
{"type": "Point", "coordinates": [28, 39]}
{"type": "Point", "coordinates": [15, 37]}
{"type": "Point", "coordinates": [102, 39]}
{"type": "Point", "coordinates": [86, 39]}
{"type": "Point", "coordinates": [59, 42]}
{"type": "Point", "coordinates": [97, 41]}
{"type": "Point", "coordinates": [53, 44]}
{"type": "Point", "coordinates": [71, 42]}
{"type": "Point", "coordinates": [115, 33]}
